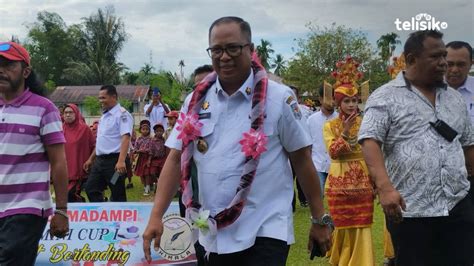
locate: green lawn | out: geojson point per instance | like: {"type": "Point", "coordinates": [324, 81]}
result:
{"type": "Point", "coordinates": [299, 255]}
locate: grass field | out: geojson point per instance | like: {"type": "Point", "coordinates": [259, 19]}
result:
{"type": "Point", "coordinates": [299, 255]}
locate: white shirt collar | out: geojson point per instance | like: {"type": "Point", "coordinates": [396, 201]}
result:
{"type": "Point", "coordinates": [246, 89]}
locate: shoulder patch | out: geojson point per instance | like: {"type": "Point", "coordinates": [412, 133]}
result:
{"type": "Point", "coordinates": [290, 99]}
{"type": "Point", "coordinates": [296, 110]}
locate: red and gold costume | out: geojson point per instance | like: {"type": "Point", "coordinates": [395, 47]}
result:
{"type": "Point", "coordinates": [349, 190]}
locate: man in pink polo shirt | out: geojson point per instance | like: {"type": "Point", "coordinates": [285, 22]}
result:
{"type": "Point", "coordinates": [31, 147]}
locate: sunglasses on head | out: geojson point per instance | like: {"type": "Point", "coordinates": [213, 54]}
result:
{"type": "Point", "coordinates": [6, 47]}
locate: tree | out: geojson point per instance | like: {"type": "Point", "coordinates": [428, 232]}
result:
{"type": "Point", "coordinates": [316, 55]}
{"type": "Point", "coordinates": [51, 46]}
{"type": "Point", "coordinates": [145, 74]}
{"type": "Point", "coordinates": [92, 105]}
{"type": "Point", "coordinates": [125, 103]}
{"type": "Point", "coordinates": [263, 51]}
{"type": "Point", "coordinates": [130, 78]}
{"type": "Point", "coordinates": [377, 73]}
{"type": "Point", "coordinates": [171, 87]}
{"type": "Point", "coordinates": [181, 65]}
{"type": "Point", "coordinates": [387, 44]}
{"type": "Point", "coordinates": [103, 36]}
{"type": "Point", "coordinates": [279, 64]}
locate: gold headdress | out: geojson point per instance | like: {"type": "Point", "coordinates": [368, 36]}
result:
{"type": "Point", "coordinates": [398, 65]}
{"type": "Point", "coordinates": [346, 75]}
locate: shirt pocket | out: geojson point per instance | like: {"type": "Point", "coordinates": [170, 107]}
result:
{"type": "Point", "coordinates": [269, 129]}
{"type": "Point", "coordinates": [226, 188]}
{"type": "Point", "coordinates": [110, 127]}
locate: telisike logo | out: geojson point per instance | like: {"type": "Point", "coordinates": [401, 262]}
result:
{"type": "Point", "coordinates": [422, 21]}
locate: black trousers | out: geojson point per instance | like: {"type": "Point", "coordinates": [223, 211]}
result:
{"type": "Point", "coordinates": [19, 238]}
{"type": "Point", "coordinates": [266, 251]}
{"type": "Point", "coordinates": [100, 177]}
{"type": "Point", "coordinates": [442, 241]}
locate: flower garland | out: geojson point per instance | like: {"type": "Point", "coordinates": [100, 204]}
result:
{"type": "Point", "coordinates": [253, 145]}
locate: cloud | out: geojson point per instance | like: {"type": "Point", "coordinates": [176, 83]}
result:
{"type": "Point", "coordinates": [174, 30]}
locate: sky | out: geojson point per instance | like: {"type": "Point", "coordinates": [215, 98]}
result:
{"type": "Point", "coordinates": [164, 32]}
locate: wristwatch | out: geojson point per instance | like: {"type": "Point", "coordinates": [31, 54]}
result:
{"type": "Point", "coordinates": [324, 220]}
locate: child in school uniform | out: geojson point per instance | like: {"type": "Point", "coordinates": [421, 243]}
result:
{"type": "Point", "coordinates": [159, 153]}
{"type": "Point", "coordinates": [143, 149]}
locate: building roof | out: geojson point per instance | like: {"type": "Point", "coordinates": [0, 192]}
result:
{"type": "Point", "coordinates": [76, 94]}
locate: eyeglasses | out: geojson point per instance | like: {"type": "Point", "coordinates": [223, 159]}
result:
{"type": "Point", "coordinates": [232, 50]}
{"type": "Point", "coordinates": [6, 47]}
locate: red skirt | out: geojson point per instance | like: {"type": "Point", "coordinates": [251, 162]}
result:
{"type": "Point", "coordinates": [141, 169]}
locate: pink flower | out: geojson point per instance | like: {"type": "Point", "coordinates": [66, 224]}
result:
{"type": "Point", "coordinates": [189, 127]}
{"type": "Point", "coordinates": [253, 143]}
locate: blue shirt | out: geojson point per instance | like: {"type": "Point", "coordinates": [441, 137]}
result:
{"type": "Point", "coordinates": [113, 124]}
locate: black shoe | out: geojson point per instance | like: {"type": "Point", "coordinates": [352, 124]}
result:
{"type": "Point", "coordinates": [389, 262]}
{"type": "Point", "coordinates": [129, 185]}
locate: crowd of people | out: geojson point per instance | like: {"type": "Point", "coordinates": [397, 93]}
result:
{"type": "Point", "coordinates": [233, 150]}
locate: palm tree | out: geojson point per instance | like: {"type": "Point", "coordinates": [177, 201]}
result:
{"type": "Point", "coordinates": [147, 69]}
{"type": "Point", "coordinates": [100, 42]}
{"type": "Point", "coordinates": [263, 51]}
{"type": "Point", "coordinates": [181, 65]}
{"type": "Point", "coordinates": [146, 72]}
{"type": "Point", "coordinates": [387, 44]}
{"type": "Point", "coordinates": [279, 64]}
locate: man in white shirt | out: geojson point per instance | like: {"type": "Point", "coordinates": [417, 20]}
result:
{"type": "Point", "coordinates": [319, 153]}
{"type": "Point", "coordinates": [459, 59]}
{"type": "Point", "coordinates": [261, 231]}
{"type": "Point", "coordinates": [156, 110]}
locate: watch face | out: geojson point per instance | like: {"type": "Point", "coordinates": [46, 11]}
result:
{"type": "Point", "coordinates": [326, 219]}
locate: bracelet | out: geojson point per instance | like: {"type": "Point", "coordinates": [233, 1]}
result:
{"type": "Point", "coordinates": [61, 208]}
{"type": "Point", "coordinates": [62, 213]}
{"type": "Point", "coordinates": [351, 141]}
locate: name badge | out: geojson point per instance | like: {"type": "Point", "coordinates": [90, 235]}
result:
{"type": "Point", "coordinates": [204, 116]}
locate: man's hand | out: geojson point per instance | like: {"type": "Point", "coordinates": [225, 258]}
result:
{"type": "Point", "coordinates": [120, 167]}
{"type": "Point", "coordinates": [87, 166]}
{"type": "Point", "coordinates": [322, 235]}
{"type": "Point", "coordinates": [392, 203]}
{"type": "Point", "coordinates": [59, 226]}
{"type": "Point", "coordinates": [153, 231]}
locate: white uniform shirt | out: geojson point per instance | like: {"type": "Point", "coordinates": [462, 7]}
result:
{"type": "Point", "coordinates": [319, 153]}
{"type": "Point", "coordinates": [267, 212]}
{"type": "Point", "coordinates": [467, 91]}
{"type": "Point", "coordinates": [112, 126]}
{"type": "Point", "coordinates": [305, 110]}
{"type": "Point", "coordinates": [157, 115]}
